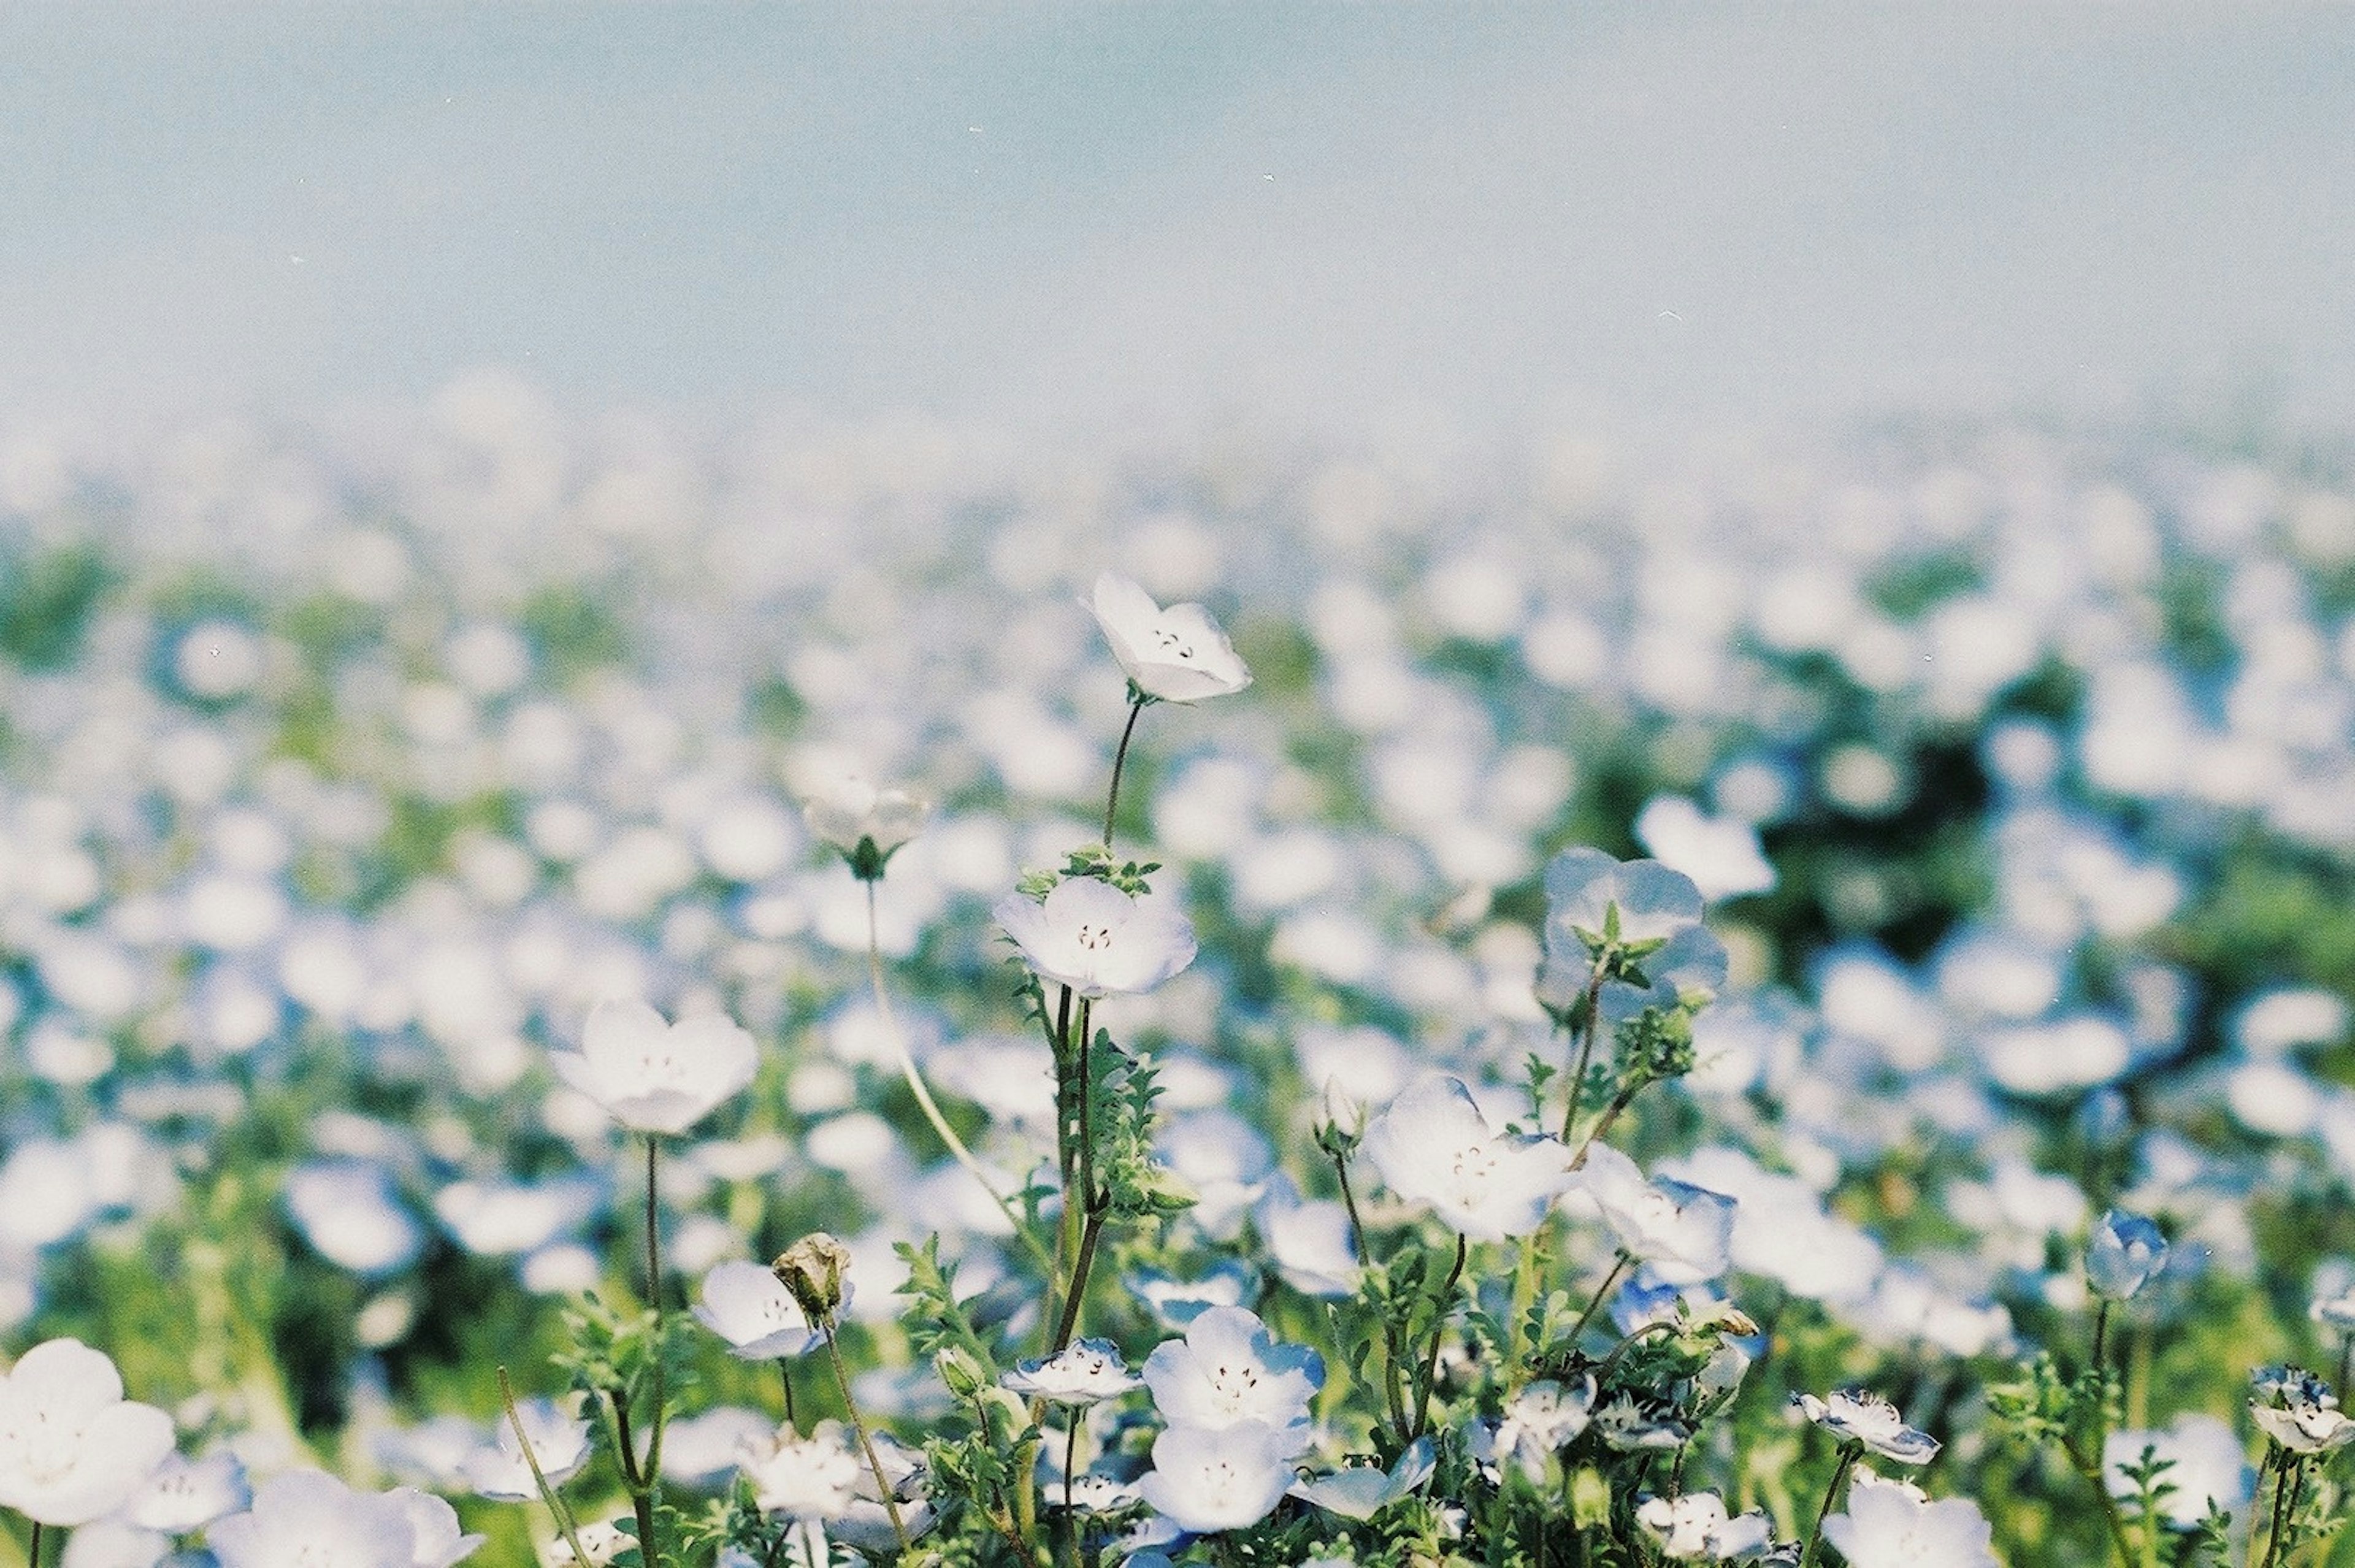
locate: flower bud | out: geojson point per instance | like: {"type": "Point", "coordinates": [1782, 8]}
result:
{"type": "Point", "coordinates": [964, 1375]}
{"type": "Point", "coordinates": [1340, 1121]}
{"type": "Point", "coordinates": [812, 1270]}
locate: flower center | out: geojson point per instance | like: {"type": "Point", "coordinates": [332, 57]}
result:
{"type": "Point", "coordinates": [1094, 938]}
{"type": "Point", "coordinates": [1171, 645]}
{"type": "Point", "coordinates": [1233, 1387]}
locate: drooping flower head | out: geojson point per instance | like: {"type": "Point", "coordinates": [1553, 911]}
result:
{"type": "Point", "coordinates": [71, 1447]}
{"type": "Point", "coordinates": [657, 1077]}
{"type": "Point", "coordinates": [866, 825]}
{"type": "Point", "coordinates": [2124, 1252]}
{"type": "Point", "coordinates": [1176, 655]}
{"type": "Point", "coordinates": [1094, 938]}
{"type": "Point", "coordinates": [1588, 893]}
{"type": "Point", "coordinates": [1433, 1146]}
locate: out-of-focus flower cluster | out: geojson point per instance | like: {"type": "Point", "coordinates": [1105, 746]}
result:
{"type": "Point", "coordinates": [343, 773]}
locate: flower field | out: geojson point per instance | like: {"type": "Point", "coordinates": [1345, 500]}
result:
{"type": "Point", "coordinates": [580, 990]}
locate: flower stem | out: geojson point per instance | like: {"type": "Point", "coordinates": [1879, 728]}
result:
{"type": "Point", "coordinates": [923, 1094]}
{"type": "Point", "coordinates": [1069, 1323]}
{"type": "Point", "coordinates": [1847, 1457]}
{"type": "Point", "coordinates": [32, 1553]}
{"type": "Point", "coordinates": [1602, 1294]}
{"type": "Point", "coordinates": [858, 1426]}
{"type": "Point", "coordinates": [1588, 1029]}
{"type": "Point", "coordinates": [786, 1380]}
{"type": "Point", "coordinates": [1119, 761]}
{"type": "Point", "coordinates": [653, 1469]}
{"type": "Point", "coordinates": [555, 1508]}
{"type": "Point", "coordinates": [1430, 1377]}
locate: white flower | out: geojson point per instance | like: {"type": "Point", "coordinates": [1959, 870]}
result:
{"type": "Point", "coordinates": [1433, 1146]}
{"type": "Point", "coordinates": [2124, 1252]}
{"type": "Point", "coordinates": [1631, 1427]}
{"type": "Point", "coordinates": [114, 1542]}
{"type": "Point", "coordinates": [1541, 1421]}
{"type": "Point", "coordinates": [1889, 1525]}
{"type": "Point", "coordinates": [1696, 1526]}
{"type": "Point", "coordinates": [2334, 1295]}
{"type": "Point", "coordinates": [308, 1519]}
{"type": "Point", "coordinates": [1681, 1231]}
{"type": "Point", "coordinates": [805, 1477]}
{"type": "Point", "coordinates": [1229, 1372]}
{"type": "Point", "coordinates": [1096, 939]}
{"type": "Point", "coordinates": [602, 1542]}
{"type": "Point", "coordinates": [863, 822]}
{"type": "Point", "coordinates": [1084, 1373]}
{"type": "Point", "coordinates": [435, 1539]}
{"type": "Point", "coordinates": [1364, 1492]}
{"type": "Point", "coordinates": [2296, 1409]}
{"type": "Point", "coordinates": [1177, 655]}
{"type": "Point", "coordinates": [657, 1077]}
{"type": "Point", "coordinates": [1226, 1478]}
{"type": "Point", "coordinates": [1309, 1241]}
{"type": "Point", "coordinates": [71, 1447]}
{"type": "Point", "coordinates": [748, 1305]}
{"type": "Point", "coordinates": [2205, 1465]}
{"type": "Point", "coordinates": [1854, 1415]}
{"type": "Point", "coordinates": [184, 1495]}
{"type": "Point", "coordinates": [560, 1442]}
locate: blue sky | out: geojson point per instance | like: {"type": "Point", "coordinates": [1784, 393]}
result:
{"type": "Point", "coordinates": [1086, 216]}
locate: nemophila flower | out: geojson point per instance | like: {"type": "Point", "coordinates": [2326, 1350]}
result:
{"type": "Point", "coordinates": [1432, 1145]}
{"type": "Point", "coordinates": [1654, 904]}
{"type": "Point", "coordinates": [1177, 655]}
{"type": "Point", "coordinates": [1099, 941]}
{"type": "Point", "coordinates": [749, 1306]}
{"type": "Point", "coordinates": [1229, 1282]}
{"type": "Point", "coordinates": [601, 1542]}
{"type": "Point", "coordinates": [1681, 1231]}
{"type": "Point", "coordinates": [1891, 1525]}
{"type": "Point", "coordinates": [348, 1213]}
{"type": "Point", "coordinates": [560, 1442]}
{"type": "Point", "coordinates": [183, 1495]}
{"type": "Point", "coordinates": [1364, 1490]}
{"type": "Point", "coordinates": [115, 1543]}
{"type": "Point", "coordinates": [657, 1077]}
{"type": "Point", "coordinates": [2126, 1250]}
{"type": "Point", "coordinates": [436, 1540]}
{"type": "Point", "coordinates": [1086, 1372]}
{"type": "Point", "coordinates": [700, 1449]}
{"type": "Point", "coordinates": [1854, 1415]}
{"type": "Point", "coordinates": [795, 1477]}
{"type": "Point", "coordinates": [2296, 1409]}
{"type": "Point", "coordinates": [308, 1519]}
{"type": "Point", "coordinates": [1696, 1527]}
{"type": "Point", "coordinates": [71, 1447]}
{"type": "Point", "coordinates": [1307, 1239]}
{"type": "Point", "coordinates": [1540, 1421]}
{"type": "Point", "coordinates": [2333, 1302]}
{"type": "Point", "coordinates": [2206, 1467]}
{"type": "Point", "coordinates": [866, 825]}
{"type": "Point", "coordinates": [1205, 1479]}
{"type": "Point", "coordinates": [1229, 1371]}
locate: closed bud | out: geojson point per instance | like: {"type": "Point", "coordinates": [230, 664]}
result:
{"type": "Point", "coordinates": [962, 1373]}
{"type": "Point", "coordinates": [812, 1270]}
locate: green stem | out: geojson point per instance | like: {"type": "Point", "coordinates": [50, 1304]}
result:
{"type": "Point", "coordinates": [1119, 761]}
{"type": "Point", "coordinates": [786, 1380]}
{"type": "Point", "coordinates": [1430, 1377]}
{"type": "Point", "coordinates": [32, 1553]}
{"type": "Point", "coordinates": [1602, 1293]}
{"type": "Point", "coordinates": [1590, 1026]}
{"type": "Point", "coordinates": [1847, 1457]}
{"type": "Point", "coordinates": [1603, 1123]}
{"type": "Point", "coordinates": [653, 1470]}
{"type": "Point", "coordinates": [865, 1443]}
{"type": "Point", "coordinates": [1069, 1323]}
{"type": "Point", "coordinates": [555, 1508]}
{"type": "Point", "coordinates": [924, 1093]}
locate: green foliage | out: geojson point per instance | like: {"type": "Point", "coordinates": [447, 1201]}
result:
{"type": "Point", "coordinates": [46, 598]}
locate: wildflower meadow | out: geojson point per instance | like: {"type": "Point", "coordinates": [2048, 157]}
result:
{"type": "Point", "coordinates": [596, 993]}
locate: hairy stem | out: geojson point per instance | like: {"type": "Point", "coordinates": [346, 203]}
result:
{"type": "Point", "coordinates": [1119, 761]}
{"type": "Point", "coordinates": [1602, 1294]}
{"type": "Point", "coordinates": [1847, 1457]}
{"type": "Point", "coordinates": [555, 1508]}
{"type": "Point", "coordinates": [924, 1093]}
{"type": "Point", "coordinates": [865, 1443]}
{"type": "Point", "coordinates": [1430, 1376]}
